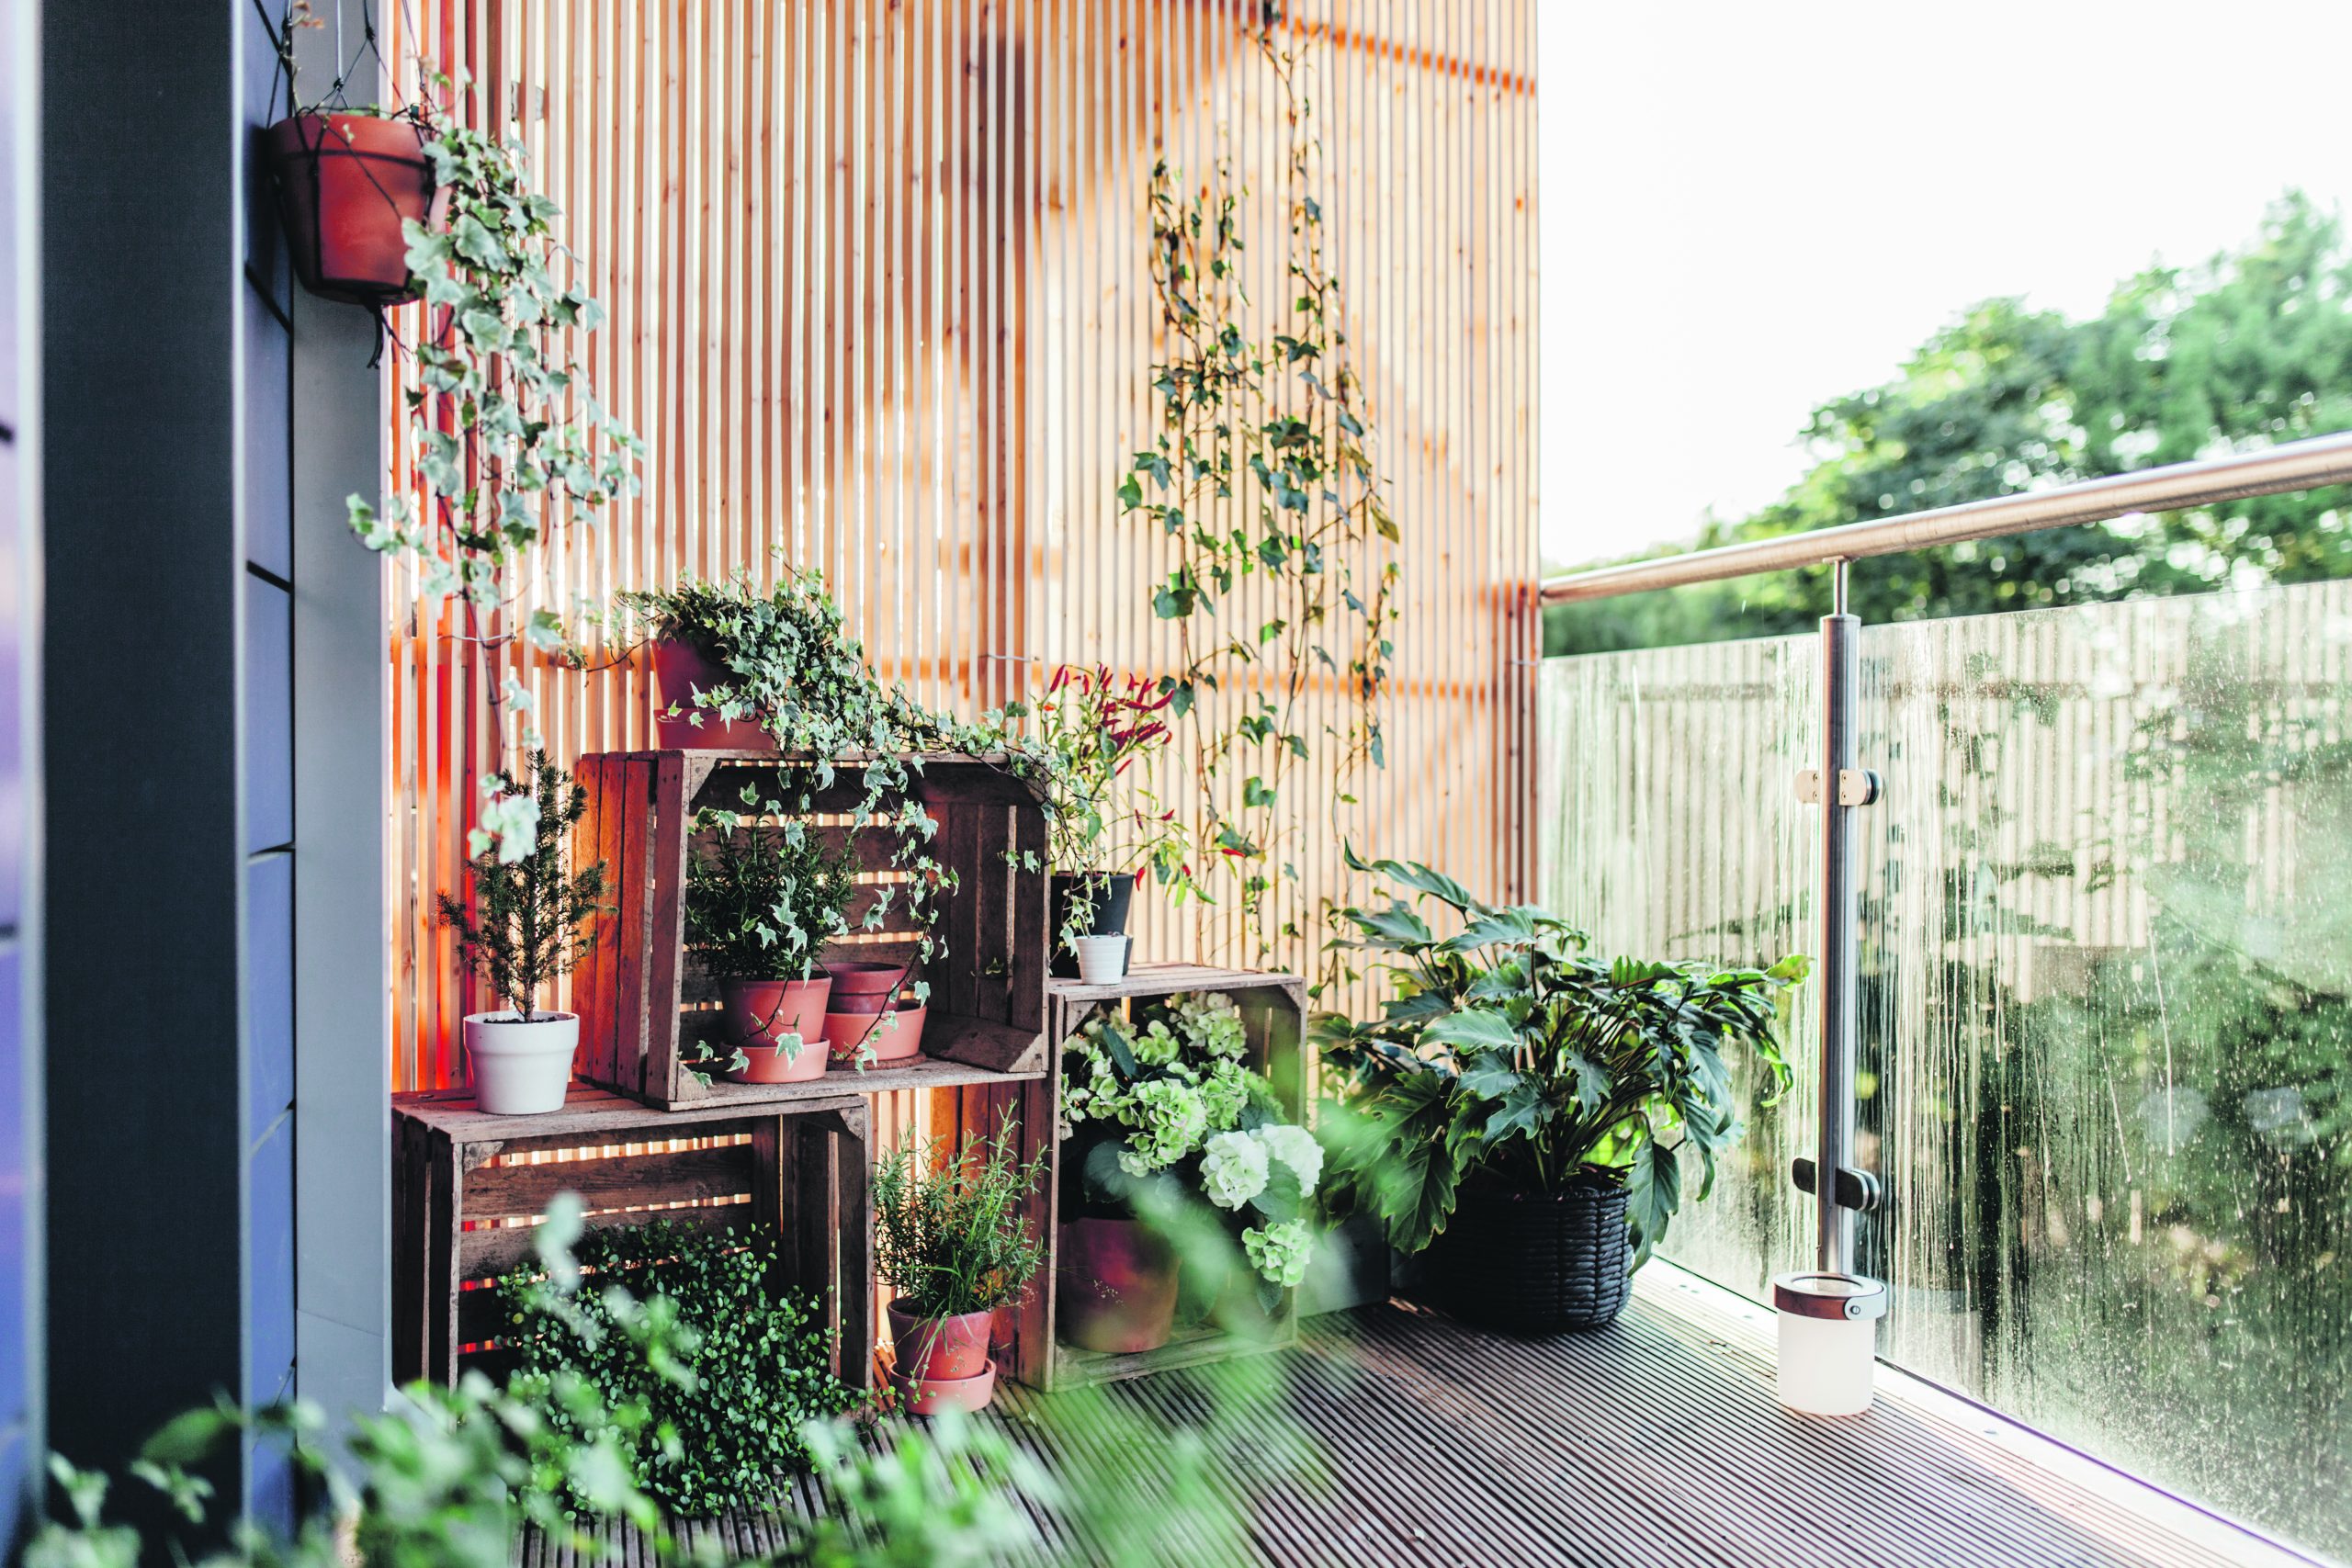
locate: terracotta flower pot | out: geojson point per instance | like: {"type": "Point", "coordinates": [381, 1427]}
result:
{"type": "Point", "coordinates": [680, 670]}
{"type": "Point", "coordinates": [345, 184]}
{"type": "Point", "coordinates": [1117, 1284]}
{"type": "Point", "coordinates": [939, 1349]}
{"type": "Point", "coordinates": [936, 1396]}
{"type": "Point", "coordinates": [862, 986]}
{"type": "Point", "coordinates": [761, 1013]}
{"type": "Point", "coordinates": [520, 1070]}
{"type": "Point", "coordinates": [896, 1035]}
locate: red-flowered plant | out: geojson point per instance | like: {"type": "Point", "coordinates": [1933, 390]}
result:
{"type": "Point", "coordinates": [1091, 729]}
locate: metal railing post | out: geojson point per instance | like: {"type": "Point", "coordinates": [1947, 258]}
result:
{"type": "Point", "coordinates": [1841, 669]}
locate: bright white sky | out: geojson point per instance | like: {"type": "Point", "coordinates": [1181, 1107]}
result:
{"type": "Point", "coordinates": [1749, 208]}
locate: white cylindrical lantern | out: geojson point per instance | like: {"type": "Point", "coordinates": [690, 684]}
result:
{"type": "Point", "coordinates": [1828, 1340]}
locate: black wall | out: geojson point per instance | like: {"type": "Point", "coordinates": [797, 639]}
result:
{"type": "Point", "coordinates": [149, 328]}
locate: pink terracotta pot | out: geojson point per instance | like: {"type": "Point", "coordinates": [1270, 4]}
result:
{"type": "Point", "coordinates": [936, 1396]}
{"type": "Point", "coordinates": [1117, 1286]}
{"type": "Point", "coordinates": [896, 1035]}
{"type": "Point", "coordinates": [939, 1349]}
{"type": "Point", "coordinates": [861, 987]}
{"type": "Point", "coordinates": [680, 670]}
{"type": "Point", "coordinates": [759, 1013]}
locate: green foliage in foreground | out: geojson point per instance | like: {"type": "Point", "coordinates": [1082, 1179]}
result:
{"type": "Point", "coordinates": [679, 1327]}
{"type": "Point", "coordinates": [452, 1479]}
{"type": "Point", "coordinates": [1507, 1053]}
{"type": "Point", "coordinates": [2251, 349]}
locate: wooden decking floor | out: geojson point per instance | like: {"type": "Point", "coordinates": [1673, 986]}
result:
{"type": "Point", "coordinates": [1656, 1443]}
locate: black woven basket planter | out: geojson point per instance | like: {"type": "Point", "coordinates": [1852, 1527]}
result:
{"type": "Point", "coordinates": [1533, 1264]}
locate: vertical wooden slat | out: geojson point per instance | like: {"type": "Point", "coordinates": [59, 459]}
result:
{"type": "Point", "coordinates": [875, 277]}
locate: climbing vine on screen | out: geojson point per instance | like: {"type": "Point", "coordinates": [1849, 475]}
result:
{"type": "Point", "coordinates": [1284, 584]}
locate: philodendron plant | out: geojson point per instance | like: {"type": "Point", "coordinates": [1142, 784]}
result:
{"type": "Point", "coordinates": [1506, 1051]}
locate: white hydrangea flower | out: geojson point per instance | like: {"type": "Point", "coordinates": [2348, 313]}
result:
{"type": "Point", "coordinates": [1295, 1147]}
{"type": "Point", "coordinates": [1233, 1169]}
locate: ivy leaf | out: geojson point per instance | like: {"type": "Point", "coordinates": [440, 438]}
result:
{"type": "Point", "coordinates": [477, 243]}
{"type": "Point", "coordinates": [1256, 792]}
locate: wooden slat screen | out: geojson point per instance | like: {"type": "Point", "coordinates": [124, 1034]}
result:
{"type": "Point", "coordinates": [878, 300]}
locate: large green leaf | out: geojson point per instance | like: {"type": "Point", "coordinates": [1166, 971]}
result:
{"type": "Point", "coordinates": [1523, 1112]}
{"type": "Point", "coordinates": [1414, 875]}
{"type": "Point", "coordinates": [1473, 1028]}
{"type": "Point", "coordinates": [1653, 1192]}
{"type": "Point", "coordinates": [1495, 926]}
{"type": "Point", "coordinates": [1396, 926]}
{"type": "Point", "coordinates": [1489, 1077]}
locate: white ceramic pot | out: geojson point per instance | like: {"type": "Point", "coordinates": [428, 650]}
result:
{"type": "Point", "coordinates": [1100, 959]}
{"type": "Point", "coordinates": [1828, 1360]}
{"type": "Point", "coordinates": [520, 1069]}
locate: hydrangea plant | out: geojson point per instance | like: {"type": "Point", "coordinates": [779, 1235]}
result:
{"type": "Point", "coordinates": [1172, 1099]}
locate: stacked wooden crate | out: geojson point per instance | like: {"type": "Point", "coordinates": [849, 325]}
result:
{"type": "Point", "coordinates": [469, 1191]}
{"type": "Point", "coordinates": [644, 1007]}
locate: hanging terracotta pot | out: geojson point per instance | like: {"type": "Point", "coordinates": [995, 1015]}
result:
{"type": "Point", "coordinates": [681, 670]}
{"type": "Point", "coordinates": [345, 184]}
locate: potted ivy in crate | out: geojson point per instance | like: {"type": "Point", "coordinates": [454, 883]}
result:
{"type": "Point", "coordinates": [1528, 1115]}
{"type": "Point", "coordinates": [950, 1235]}
{"type": "Point", "coordinates": [775, 671]}
{"type": "Point", "coordinates": [1089, 730]}
{"type": "Point", "coordinates": [764, 892]}
{"type": "Point", "coordinates": [523, 931]}
{"type": "Point", "coordinates": [1176, 1162]}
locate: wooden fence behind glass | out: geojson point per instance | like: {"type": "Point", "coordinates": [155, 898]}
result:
{"type": "Point", "coordinates": [879, 302]}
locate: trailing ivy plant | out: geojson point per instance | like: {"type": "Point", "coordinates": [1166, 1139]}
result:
{"type": "Point", "coordinates": [721, 1427]}
{"type": "Point", "coordinates": [1261, 474]}
{"type": "Point", "coordinates": [1506, 1055]}
{"type": "Point", "coordinates": [510, 442]}
{"type": "Point", "coordinates": [948, 1232]}
{"type": "Point", "coordinates": [790, 664]}
{"type": "Point", "coordinates": [524, 928]}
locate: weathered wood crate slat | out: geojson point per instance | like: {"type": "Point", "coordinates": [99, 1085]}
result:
{"type": "Point", "coordinates": [645, 1010]}
{"type": "Point", "coordinates": [468, 1190]}
{"type": "Point", "coordinates": [1273, 1013]}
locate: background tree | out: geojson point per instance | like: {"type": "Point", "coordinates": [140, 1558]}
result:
{"type": "Point", "coordinates": [2248, 350]}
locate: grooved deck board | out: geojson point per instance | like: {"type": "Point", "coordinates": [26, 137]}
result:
{"type": "Point", "coordinates": [1656, 1441]}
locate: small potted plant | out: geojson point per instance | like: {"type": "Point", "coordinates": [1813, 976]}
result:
{"type": "Point", "coordinates": [764, 892]}
{"type": "Point", "coordinates": [1169, 1134]}
{"type": "Point", "coordinates": [956, 1244]}
{"type": "Point", "coordinates": [1089, 729]}
{"type": "Point", "coordinates": [525, 930]}
{"type": "Point", "coordinates": [1531, 1116]}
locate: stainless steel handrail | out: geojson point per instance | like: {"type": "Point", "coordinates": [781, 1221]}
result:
{"type": "Point", "coordinates": [2299, 465]}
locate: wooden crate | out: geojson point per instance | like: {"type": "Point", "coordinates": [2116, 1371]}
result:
{"type": "Point", "coordinates": [640, 997]}
{"type": "Point", "coordinates": [1274, 1011]}
{"type": "Point", "coordinates": [466, 1186]}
